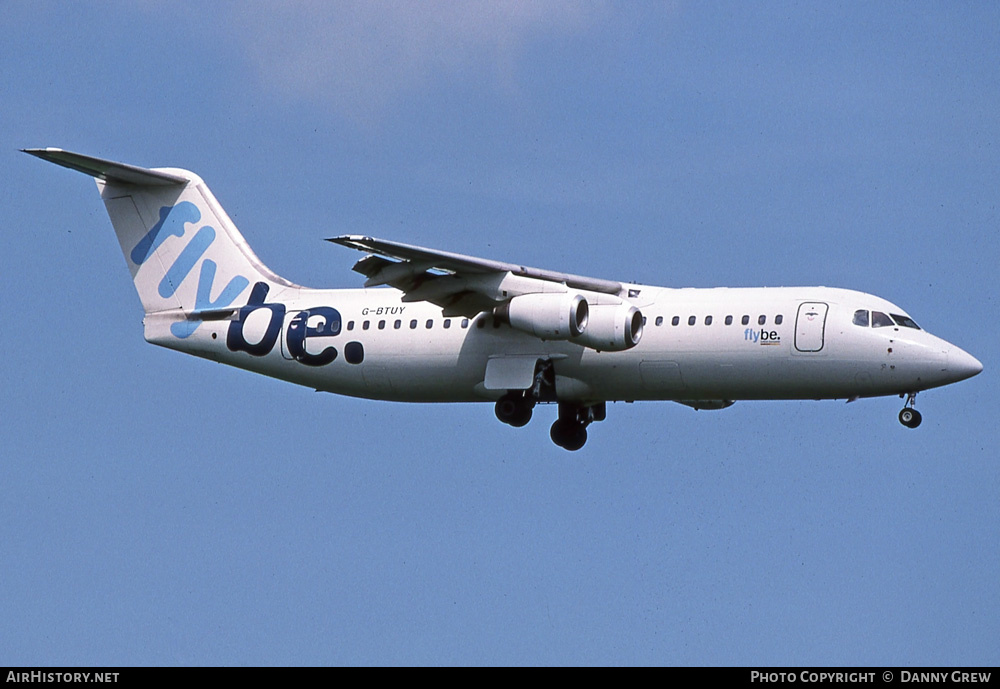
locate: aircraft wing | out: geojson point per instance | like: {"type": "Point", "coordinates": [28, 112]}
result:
{"type": "Point", "coordinates": [461, 285]}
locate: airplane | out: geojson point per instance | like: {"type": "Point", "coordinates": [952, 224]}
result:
{"type": "Point", "coordinates": [436, 326]}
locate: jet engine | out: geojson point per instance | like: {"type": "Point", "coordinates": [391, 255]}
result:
{"type": "Point", "coordinates": [548, 315]}
{"type": "Point", "coordinates": [612, 328]}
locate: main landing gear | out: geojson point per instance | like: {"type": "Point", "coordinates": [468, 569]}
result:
{"type": "Point", "coordinates": [568, 432]}
{"type": "Point", "coordinates": [515, 408]}
{"type": "Point", "coordinates": [570, 429]}
{"type": "Point", "coordinates": [909, 416]}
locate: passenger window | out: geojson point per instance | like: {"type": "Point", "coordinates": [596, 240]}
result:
{"type": "Point", "coordinates": [745, 320]}
{"type": "Point", "coordinates": [381, 325]}
{"type": "Point", "coordinates": [430, 323]}
{"type": "Point", "coordinates": [676, 320]}
{"type": "Point", "coordinates": [397, 324]}
{"type": "Point", "coordinates": [350, 325]}
{"type": "Point", "coordinates": [644, 320]}
{"type": "Point", "coordinates": [708, 320]}
{"type": "Point", "coordinates": [880, 320]}
{"type": "Point", "coordinates": [465, 322]}
{"type": "Point", "coordinates": [413, 324]}
{"type": "Point", "coordinates": [778, 319]}
{"type": "Point", "coordinates": [659, 320]}
{"type": "Point", "coordinates": [904, 321]}
{"type": "Point", "coordinates": [481, 323]}
{"type": "Point", "coordinates": [861, 318]}
{"type": "Point", "coordinates": [692, 320]}
{"type": "Point", "coordinates": [447, 322]}
{"type": "Point", "coordinates": [729, 320]}
{"type": "Point", "coordinates": [364, 326]}
{"type": "Point", "coordinates": [761, 320]}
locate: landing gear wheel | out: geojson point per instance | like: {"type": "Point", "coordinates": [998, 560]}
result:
{"type": "Point", "coordinates": [910, 417]}
{"type": "Point", "coordinates": [522, 417]}
{"type": "Point", "coordinates": [568, 434]}
{"type": "Point", "coordinates": [514, 409]}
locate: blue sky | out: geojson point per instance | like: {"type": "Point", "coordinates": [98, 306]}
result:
{"type": "Point", "coordinates": [160, 509]}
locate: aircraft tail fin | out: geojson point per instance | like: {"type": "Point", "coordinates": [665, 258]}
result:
{"type": "Point", "coordinates": [183, 251]}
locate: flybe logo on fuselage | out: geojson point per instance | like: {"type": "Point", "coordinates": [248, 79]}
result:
{"type": "Point", "coordinates": [316, 322]}
{"type": "Point", "coordinates": [172, 223]}
{"type": "Point", "coordinates": [764, 337]}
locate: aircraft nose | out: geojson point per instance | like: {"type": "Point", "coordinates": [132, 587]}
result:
{"type": "Point", "coordinates": [962, 365]}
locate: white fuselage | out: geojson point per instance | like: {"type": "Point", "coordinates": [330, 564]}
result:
{"type": "Point", "coordinates": [698, 345]}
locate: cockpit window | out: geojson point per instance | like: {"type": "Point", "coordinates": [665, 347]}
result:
{"type": "Point", "coordinates": [861, 317]}
{"type": "Point", "coordinates": [905, 321]}
{"type": "Point", "coordinates": [880, 320]}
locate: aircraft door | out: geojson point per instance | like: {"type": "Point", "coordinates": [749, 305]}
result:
{"type": "Point", "coordinates": [810, 325]}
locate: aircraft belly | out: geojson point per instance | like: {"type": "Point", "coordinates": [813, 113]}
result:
{"type": "Point", "coordinates": [691, 375]}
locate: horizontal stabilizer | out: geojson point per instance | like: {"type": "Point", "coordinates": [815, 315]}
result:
{"type": "Point", "coordinates": [226, 314]}
{"type": "Point", "coordinates": [106, 169]}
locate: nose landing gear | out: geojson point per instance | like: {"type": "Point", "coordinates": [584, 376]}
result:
{"type": "Point", "coordinates": [909, 416]}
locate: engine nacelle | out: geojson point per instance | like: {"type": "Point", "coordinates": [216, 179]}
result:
{"type": "Point", "coordinates": [612, 328]}
{"type": "Point", "coordinates": [548, 315]}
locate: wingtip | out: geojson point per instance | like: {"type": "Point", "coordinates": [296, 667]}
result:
{"type": "Point", "coordinates": [349, 239]}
